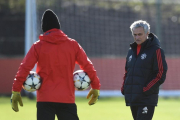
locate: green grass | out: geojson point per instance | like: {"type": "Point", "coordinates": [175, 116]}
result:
{"type": "Point", "coordinates": [104, 109]}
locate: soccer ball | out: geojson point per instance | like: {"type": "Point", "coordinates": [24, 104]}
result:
{"type": "Point", "coordinates": [33, 82]}
{"type": "Point", "coordinates": [81, 80]}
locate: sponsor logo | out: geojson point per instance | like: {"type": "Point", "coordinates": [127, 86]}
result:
{"type": "Point", "coordinates": [130, 58]}
{"type": "Point", "coordinates": [144, 110]}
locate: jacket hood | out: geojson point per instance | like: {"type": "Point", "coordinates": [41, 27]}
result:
{"type": "Point", "coordinates": [54, 36]}
{"type": "Point", "coordinates": [151, 41]}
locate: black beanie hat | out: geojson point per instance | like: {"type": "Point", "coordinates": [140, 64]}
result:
{"type": "Point", "coordinates": [49, 21]}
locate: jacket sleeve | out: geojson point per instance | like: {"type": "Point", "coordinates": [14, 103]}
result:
{"type": "Point", "coordinates": [85, 64]}
{"type": "Point", "coordinates": [125, 74]}
{"type": "Point", "coordinates": [159, 72]}
{"type": "Point", "coordinates": [26, 66]}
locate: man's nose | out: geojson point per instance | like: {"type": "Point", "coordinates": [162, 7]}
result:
{"type": "Point", "coordinates": [137, 37]}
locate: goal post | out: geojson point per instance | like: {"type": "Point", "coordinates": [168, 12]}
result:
{"type": "Point", "coordinates": [30, 30]}
{"type": "Point", "coordinates": [30, 24]}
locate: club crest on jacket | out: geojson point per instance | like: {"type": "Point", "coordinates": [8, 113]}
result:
{"type": "Point", "coordinates": [143, 56]}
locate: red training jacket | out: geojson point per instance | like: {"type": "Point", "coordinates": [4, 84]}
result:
{"type": "Point", "coordinates": [55, 55]}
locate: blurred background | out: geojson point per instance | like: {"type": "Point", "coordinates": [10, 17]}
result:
{"type": "Point", "coordinates": [102, 29]}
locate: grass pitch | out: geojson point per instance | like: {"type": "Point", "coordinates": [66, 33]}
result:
{"type": "Point", "coordinates": [104, 109]}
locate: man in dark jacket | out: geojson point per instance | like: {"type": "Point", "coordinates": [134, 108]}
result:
{"type": "Point", "coordinates": [145, 71]}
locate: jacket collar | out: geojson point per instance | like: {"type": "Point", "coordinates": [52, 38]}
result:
{"type": "Point", "coordinates": [152, 40]}
{"type": "Point", "coordinates": [53, 36]}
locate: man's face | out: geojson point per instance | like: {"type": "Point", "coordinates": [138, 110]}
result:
{"type": "Point", "coordinates": [139, 35]}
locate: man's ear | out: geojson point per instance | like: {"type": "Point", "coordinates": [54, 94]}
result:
{"type": "Point", "coordinates": [147, 34]}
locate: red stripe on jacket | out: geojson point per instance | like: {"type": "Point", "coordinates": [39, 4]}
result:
{"type": "Point", "coordinates": [122, 88]}
{"type": "Point", "coordinates": [159, 75]}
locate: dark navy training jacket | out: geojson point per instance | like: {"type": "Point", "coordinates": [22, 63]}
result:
{"type": "Point", "coordinates": [144, 74]}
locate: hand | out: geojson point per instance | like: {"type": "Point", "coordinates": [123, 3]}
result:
{"type": "Point", "coordinates": [122, 92]}
{"type": "Point", "coordinates": [15, 98]}
{"type": "Point", "coordinates": [95, 96]}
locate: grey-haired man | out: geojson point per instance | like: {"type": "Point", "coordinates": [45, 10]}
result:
{"type": "Point", "coordinates": [145, 71]}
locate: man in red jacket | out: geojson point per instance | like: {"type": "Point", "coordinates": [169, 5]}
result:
{"type": "Point", "coordinates": [56, 56]}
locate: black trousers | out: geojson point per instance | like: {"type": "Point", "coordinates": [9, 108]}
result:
{"type": "Point", "coordinates": [142, 112]}
{"type": "Point", "coordinates": [64, 111]}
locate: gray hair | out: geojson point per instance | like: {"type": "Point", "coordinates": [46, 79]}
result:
{"type": "Point", "coordinates": [140, 23]}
